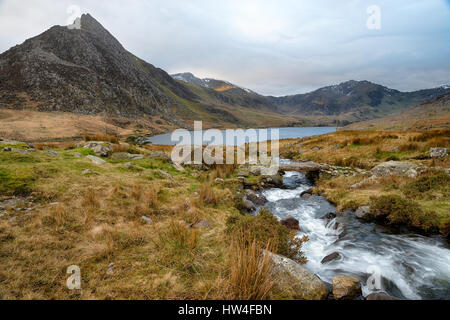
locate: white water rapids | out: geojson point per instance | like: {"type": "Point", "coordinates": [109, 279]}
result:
{"type": "Point", "coordinates": [411, 266]}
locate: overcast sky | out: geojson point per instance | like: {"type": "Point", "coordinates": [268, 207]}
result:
{"type": "Point", "coordinates": [275, 47]}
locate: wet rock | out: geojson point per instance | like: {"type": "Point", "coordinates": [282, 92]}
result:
{"type": "Point", "coordinates": [307, 192]}
{"type": "Point", "coordinates": [363, 213]}
{"type": "Point", "coordinates": [291, 223]}
{"type": "Point", "coordinates": [294, 279]}
{"type": "Point", "coordinates": [438, 152]}
{"type": "Point", "coordinates": [380, 296]}
{"type": "Point", "coordinates": [96, 160]}
{"type": "Point", "coordinates": [257, 199]}
{"type": "Point", "coordinates": [329, 216]}
{"type": "Point", "coordinates": [306, 196]}
{"type": "Point", "coordinates": [331, 257]}
{"type": "Point", "coordinates": [346, 288]}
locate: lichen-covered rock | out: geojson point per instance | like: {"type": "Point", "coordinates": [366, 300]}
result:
{"type": "Point", "coordinates": [346, 288]}
{"type": "Point", "coordinates": [294, 279]}
{"type": "Point", "coordinates": [438, 152]}
{"type": "Point", "coordinates": [393, 168]}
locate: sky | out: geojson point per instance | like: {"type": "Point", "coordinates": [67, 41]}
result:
{"type": "Point", "coordinates": [276, 47]}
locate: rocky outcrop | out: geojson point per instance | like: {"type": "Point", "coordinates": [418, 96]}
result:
{"type": "Point", "coordinates": [124, 156]}
{"type": "Point", "coordinates": [291, 223]}
{"type": "Point", "coordinates": [100, 148]}
{"type": "Point", "coordinates": [396, 168]}
{"type": "Point", "coordinates": [346, 288]}
{"type": "Point", "coordinates": [294, 279]}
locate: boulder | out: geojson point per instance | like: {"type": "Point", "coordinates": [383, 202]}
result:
{"type": "Point", "coordinates": [309, 191]}
{"type": "Point", "coordinates": [96, 160]}
{"type": "Point", "coordinates": [52, 153]}
{"type": "Point", "coordinates": [101, 149]}
{"type": "Point", "coordinates": [331, 257]}
{"type": "Point", "coordinates": [346, 288]}
{"type": "Point", "coordinates": [294, 279]}
{"type": "Point", "coordinates": [248, 205]}
{"type": "Point", "coordinates": [438, 152]}
{"type": "Point", "coordinates": [160, 155]}
{"type": "Point", "coordinates": [393, 168]}
{"type": "Point", "coordinates": [291, 223]}
{"type": "Point", "coordinates": [123, 156]}
{"type": "Point", "coordinates": [363, 213]}
{"type": "Point", "coordinates": [21, 151]}
{"type": "Point", "coordinates": [256, 198]}
{"type": "Point", "coordinates": [380, 296]}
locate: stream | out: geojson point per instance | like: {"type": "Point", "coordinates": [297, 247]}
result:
{"type": "Point", "coordinates": [410, 266]}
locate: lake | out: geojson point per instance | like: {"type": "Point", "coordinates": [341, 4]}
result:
{"type": "Point", "coordinates": [284, 133]}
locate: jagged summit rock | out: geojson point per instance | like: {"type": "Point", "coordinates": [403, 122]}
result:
{"type": "Point", "coordinates": [84, 71]}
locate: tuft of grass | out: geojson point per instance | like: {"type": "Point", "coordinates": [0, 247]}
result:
{"type": "Point", "coordinates": [432, 186]}
{"type": "Point", "coordinates": [207, 195]}
{"type": "Point", "coordinates": [18, 182]}
{"type": "Point", "coordinates": [250, 275]}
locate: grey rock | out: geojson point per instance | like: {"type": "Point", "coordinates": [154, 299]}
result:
{"type": "Point", "coordinates": [160, 155]}
{"type": "Point", "coordinates": [256, 198]}
{"type": "Point", "coordinates": [363, 212]}
{"type": "Point", "coordinates": [166, 175]}
{"type": "Point", "coordinates": [6, 149]}
{"type": "Point", "coordinates": [52, 153]}
{"type": "Point", "coordinates": [202, 224]}
{"type": "Point", "coordinates": [393, 168]}
{"type": "Point", "coordinates": [96, 160]}
{"type": "Point", "coordinates": [438, 152]}
{"type": "Point", "coordinates": [146, 219]}
{"type": "Point", "coordinates": [294, 278]}
{"type": "Point", "coordinates": [248, 205]}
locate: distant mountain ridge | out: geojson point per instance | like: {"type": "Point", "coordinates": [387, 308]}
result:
{"type": "Point", "coordinates": [355, 100]}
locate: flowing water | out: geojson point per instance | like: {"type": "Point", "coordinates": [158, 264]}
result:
{"type": "Point", "coordinates": [410, 266]}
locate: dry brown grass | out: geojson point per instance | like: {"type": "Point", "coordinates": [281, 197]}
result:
{"type": "Point", "coordinates": [250, 275]}
{"type": "Point", "coordinates": [207, 195]}
{"type": "Point", "coordinates": [101, 137]}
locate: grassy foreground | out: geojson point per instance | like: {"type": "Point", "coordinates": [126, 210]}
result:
{"type": "Point", "coordinates": [72, 212]}
{"type": "Point", "coordinates": [421, 203]}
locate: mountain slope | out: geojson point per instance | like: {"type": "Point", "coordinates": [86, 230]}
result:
{"type": "Point", "coordinates": [434, 113]}
{"type": "Point", "coordinates": [357, 100]}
